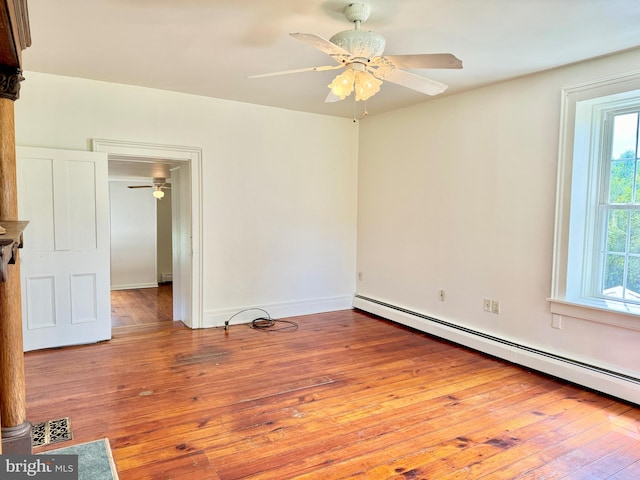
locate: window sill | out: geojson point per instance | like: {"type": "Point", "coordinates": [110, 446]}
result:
{"type": "Point", "coordinates": [608, 312]}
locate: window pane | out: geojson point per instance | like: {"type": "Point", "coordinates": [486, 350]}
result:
{"type": "Point", "coordinates": [613, 276]}
{"type": "Point", "coordinates": [634, 232]}
{"type": "Point", "coordinates": [624, 136]}
{"type": "Point", "coordinates": [636, 196]}
{"type": "Point", "coordinates": [617, 231]}
{"type": "Point", "coordinates": [633, 279]}
{"type": "Point", "coordinates": [621, 181]}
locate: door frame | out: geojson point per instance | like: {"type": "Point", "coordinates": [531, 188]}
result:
{"type": "Point", "coordinates": [126, 150]}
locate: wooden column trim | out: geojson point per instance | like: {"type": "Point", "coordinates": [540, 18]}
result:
{"type": "Point", "coordinates": [14, 37]}
{"type": "Point", "coordinates": [10, 79]}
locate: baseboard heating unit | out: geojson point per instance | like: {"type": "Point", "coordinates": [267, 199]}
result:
{"type": "Point", "coordinates": [610, 382]}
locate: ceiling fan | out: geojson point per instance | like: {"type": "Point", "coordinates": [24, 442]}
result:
{"type": "Point", "coordinates": [359, 52]}
{"type": "Point", "coordinates": [159, 184]}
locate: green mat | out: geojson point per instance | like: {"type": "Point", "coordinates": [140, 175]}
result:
{"type": "Point", "coordinates": [95, 461]}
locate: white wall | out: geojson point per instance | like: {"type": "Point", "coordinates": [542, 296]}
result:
{"type": "Point", "coordinates": [133, 236]}
{"type": "Point", "coordinates": [459, 194]}
{"type": "Point", "coordinates": [279, 197]}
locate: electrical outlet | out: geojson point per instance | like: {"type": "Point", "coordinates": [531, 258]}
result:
{"type": "Point", "coordinates": [486, 305]}
{"type": "Point", "coordinates": [495, 306]}
{"type": "Point", "coordinates": [360, 276]}
{"type": "Point", "coordinates": [441, 295]}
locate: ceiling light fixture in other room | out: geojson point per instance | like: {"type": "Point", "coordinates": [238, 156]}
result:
{"type": "Point", "coordinates": [158, 193]}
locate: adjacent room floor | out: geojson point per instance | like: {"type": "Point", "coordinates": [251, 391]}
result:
{"type": "Point", "coordinates": [142, 306]}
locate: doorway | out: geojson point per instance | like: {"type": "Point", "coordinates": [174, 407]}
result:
{"type": "Point", "coordinates": [185, 165]}
{"type": "Point", "coordinates": [141, 241]}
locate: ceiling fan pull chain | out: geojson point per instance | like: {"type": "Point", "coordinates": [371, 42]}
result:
{"type": "Point", "coordinates": [354, 110]}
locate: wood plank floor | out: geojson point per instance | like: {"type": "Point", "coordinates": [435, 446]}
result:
{"type": "Point", "coordinates": [345, 396]}
{"type": "Point", "coordinates": [142, 306]}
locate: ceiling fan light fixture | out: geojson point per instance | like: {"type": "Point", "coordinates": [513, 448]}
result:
{"type": "Point", "coordinates": [158, 193]}
{"type": "Point", "coordinates": [357, 78]}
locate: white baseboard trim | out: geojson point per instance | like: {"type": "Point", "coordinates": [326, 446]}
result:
{"type": "Point", "coordinates": [132, 286]}
{"type": "Point", "coordinates": [606, 381]}
{"type": "Point", "coordinates": [216, 318]}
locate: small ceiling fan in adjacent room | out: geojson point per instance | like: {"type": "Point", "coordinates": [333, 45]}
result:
{"type": "Point", "coordinates": [359, 52]}
{"type": "Point", "coordinates": [159, 184]}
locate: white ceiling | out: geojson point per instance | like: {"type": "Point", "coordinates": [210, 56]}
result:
{"type": "Point", "coordinates": [140, 168]}
{"type": "Point", "coordinates": [209, 47]}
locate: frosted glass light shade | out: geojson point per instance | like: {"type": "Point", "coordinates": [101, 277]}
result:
{"type": "Point", "coordinates": [342, 85]}
{"type": "Point", "coordinates": [366, 86]}
{"type": "Point", "coordinates": [158, 194]}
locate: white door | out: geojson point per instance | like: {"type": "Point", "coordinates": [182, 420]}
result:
{"type": "Point", "coordinates": [65, 259]}
{"type": "Point", "coordinates": [181, 243]}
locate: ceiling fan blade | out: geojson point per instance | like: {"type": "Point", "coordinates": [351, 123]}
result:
{"type": "Point", "coordinates": [425, 60]}
{"type": "Point", "coordinates": [139, 186]}
{"type": "Point", "coordinates": [321, 44]}
{"type": "Point", "coordinates": [415, 82]}
{"type": "Point", "coordinates": [332, 98]}
{"type": "Point", "coordinates": [297, 70]}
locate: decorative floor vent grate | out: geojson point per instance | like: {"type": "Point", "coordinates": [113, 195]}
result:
{"type": "Point", "coordinates": [51, 431]}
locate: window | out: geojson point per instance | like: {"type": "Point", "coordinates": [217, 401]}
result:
{"type": "Point", "coordinates": [597, 231]}
{"type": "Point", "coordinates": [619, 214]}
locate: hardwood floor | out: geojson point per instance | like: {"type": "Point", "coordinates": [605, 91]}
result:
{"type": "Point", "coordinates": [345, 396]}
{"type": "Point", "coordinates": [142, 306]}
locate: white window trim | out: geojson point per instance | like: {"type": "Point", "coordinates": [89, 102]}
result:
{"type": "Point", "coordinates": [577, 304]}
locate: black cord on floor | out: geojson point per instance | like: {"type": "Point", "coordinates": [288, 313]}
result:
{"type": "Point", "coordinates": [270, 324]}
{"type": "Point", "coordinates": [264, 323]}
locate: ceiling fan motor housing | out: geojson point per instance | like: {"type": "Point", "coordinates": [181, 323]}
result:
{"type": "Point", "coordinates": [360, 43]}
